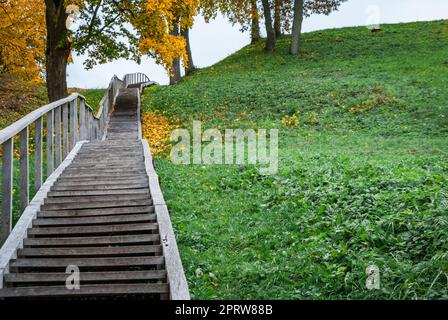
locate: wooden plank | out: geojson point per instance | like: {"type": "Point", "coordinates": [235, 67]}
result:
{"type": "Point", "coordinates": [109, 143]}
{"type": "Point", "coordinates": [58, 138]}
{"type": "Point", "coordinates": [103, 172]}
{"type": "Point", "coordinates": [85, 290]}
{"type": "Point", "coordinates": [89, 125]}
{"type": "Point", "coordinates": [88, 252]}
{"type": "Point", "coordinates": [92, 175]}
{"type": "Point", "coordinates": [7, 188]}
{"type": "Point", "coordinates": [24, 169]}
{"type": "Point", "coordinates": [96, 205]}
{"type": "Point", "coordinates": [98, 192]}
{"type": "Point", "coordinates": [102, 182]}
{"type": "Point", "coordinates": [91, 241]}
{"type": "Point", "coordinates": [82, 119]}
{"type": "Point", "coordinates": [38, 154]}
{"type": "Point", "coordinates": [103, 155]}
{"type": "Point", "coordinates": [111, 171]}
{"type": "Point", "coordinates": [49, 141]}
{"type": "Point", "coordinates": [125, 197]}
{"type": "Point", "coordinates": [65, 135]}
{"type": "Point", "coordinates": [92, 230]}
{"type": "Point", "coordinates": [83, 179]}
{"type": "Point", "coordinates": [129, 218]}
{"type": "Point", "coordinates": [73, 123]}
{"type": "Point", "coordinates": [95, 212]}
{"type": "Point", "coordinates": [102, 187]}
{"type": "Point", "coordinates": [111, 276]}
{"type": "Point", "coordinates": [176, 275]}
{"type": "Point", "coordinates": [99, 166]}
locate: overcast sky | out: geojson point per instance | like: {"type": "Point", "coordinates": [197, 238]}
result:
{"type": "Point", "coordinates": [216, 40]}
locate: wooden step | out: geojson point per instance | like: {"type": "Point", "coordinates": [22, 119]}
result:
{"type": "Point", "coordinates": [115, 262]}
{"type": "Point", "coordinates": [116, 157]}
{"type": "Point", "coordinates": [130, 218]}
{"type": "Point", "coordinates": [89, 252]}
{"type": "Point", "coordinates": [94, 212]}
{"type": "Point", "coordinates": [93, 230]}
{"type": "Point", "coordinates": [85, 290]}
{"type": "Point", "coordinates": [95, 205]}
{"type": "Point", "coordinates": [103, 174]}
{"type": "Point", "coordinates": [81, 180]}
{"type": "Point", "coordinates": [86, 277]}
{"type": "Point", "coordinates": [106, 164]}
{"type": "Point", "coordinates": [98, 192]}
{"type": "Point", "coordinates": [125, 197]}
{"type": "Point", "coordinates": [92, 241]}
{"type": "Point", "coordinates": [103, 182]}
{"type": "Point", "coordinates": [100, 187]}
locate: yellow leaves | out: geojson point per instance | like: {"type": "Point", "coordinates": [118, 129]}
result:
{"type": "Point", "coordinates": [292, 121]}
{"type": "Point", "coordinates": [166, 49]}
{"type": "Point", "coordinates": [156, 25]}
{"type": "Point", "coordinates": [157, 130]}
{"type": "Point", "coordinates": [22, 38]}
{"type": "Point", "coordinates": [313, 119]}
{"type": "Point", "coordinates": [369, 104]}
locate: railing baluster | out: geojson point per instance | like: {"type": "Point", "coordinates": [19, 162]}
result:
{"type": "Point", "coordinates": [50, 149]}
{"type": "Point", "coordinates": [7, 185]}
{"type": "Point", "coordinates": [82, 119]}
{"type": "Point", "coordinates": [73, 124]}
{"type": "Point", "coordinates": [57, 132]}
{"type": "Point", "coordinates": [90, 125]}
{"type": "Point", "coordinates": [24, 169]}
{"type": "Point", "coordinates": [38, 154]}
{"type": "Point", "coordinates": [65, 126]}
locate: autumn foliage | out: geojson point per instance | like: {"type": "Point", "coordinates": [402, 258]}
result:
{"type": "Point", "coordinates": [22, 38]}
{"type": "Point", "coordinates": [156, 23]}
{"type": "Point", "coordinates": [157, 130]}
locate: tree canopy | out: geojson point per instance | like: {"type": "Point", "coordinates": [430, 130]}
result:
{"type": "Point", "coordinates": [22, 38]}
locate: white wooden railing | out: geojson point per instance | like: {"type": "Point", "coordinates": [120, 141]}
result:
{"type": "Point", "coordinates": [67, 121]}
{"type": "Point", "coordinates": [135, 78]}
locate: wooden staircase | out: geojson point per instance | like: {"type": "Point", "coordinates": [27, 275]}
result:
{"type": "Point", "coordinates": [99, 218]}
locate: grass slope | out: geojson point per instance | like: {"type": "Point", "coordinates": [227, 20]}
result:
{"type": "Point", "coordinates": [362, 179]}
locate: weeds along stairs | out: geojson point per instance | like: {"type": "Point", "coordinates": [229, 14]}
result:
{"type": "Point", "coordinates": [100, 212]}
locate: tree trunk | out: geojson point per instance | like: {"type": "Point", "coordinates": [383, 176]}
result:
{"type": "Point", "coordinates": [190, 66]}
{"type": "Point", "coordinates": [296, 32]}
{"type": "Point", "coordinates": [270, 34]}
{"type": "Point", "coordinates": [58, 49]}
{"type": "Point", "coordinates": [255, 27]}
{"type": "Point", "coordinates": [277, 19]}
{"type": "Point", "coordinates": [175, 69]}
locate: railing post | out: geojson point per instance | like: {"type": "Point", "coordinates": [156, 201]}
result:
{"type": "Point", "coordinates": [65, 126]}
{"type": "Point", "coordinates": [24, 169]}
{"type": "Point", "coordinates": [50, 153]}
{"type": "Point", "coordinates": [38, 154]}
{"type": "Point", "coordinates": [7, 185]}
{"type": "Point", "coordinates": [82, 119]}
{"type": "Point", "coordinates": [90, 125]}
{"type": "Point", "coordinates": [73, 123]}
{"type": "Point", "coordinates": [57, 132]}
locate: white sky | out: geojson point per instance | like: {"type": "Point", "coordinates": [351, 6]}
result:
{"type": "Point", "coordinates": [214, 41]}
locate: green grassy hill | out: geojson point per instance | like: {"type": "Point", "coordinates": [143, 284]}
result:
{"type": "Point", "coordinates": [362, 178]}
